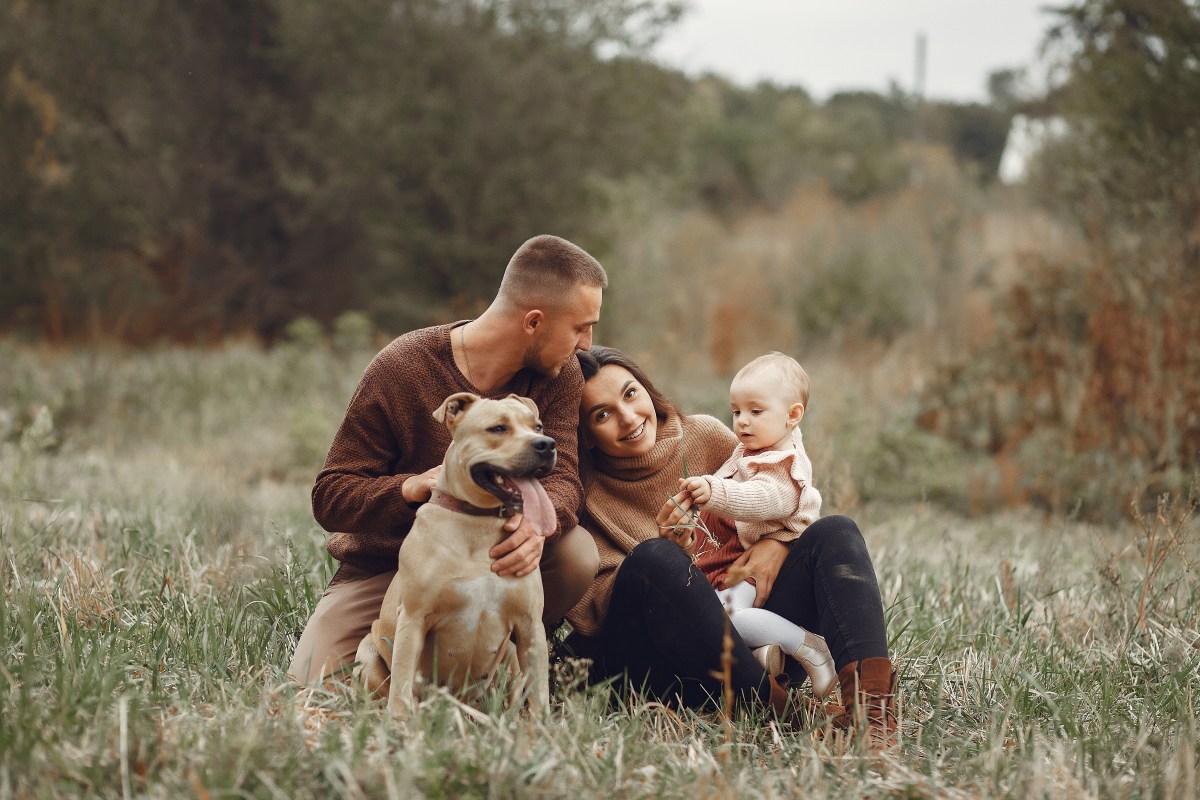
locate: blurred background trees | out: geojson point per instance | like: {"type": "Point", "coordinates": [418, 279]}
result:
{"type": "Point", "coordinates": [1099, 357]}
{"type": "Point", "coordinates": [191, 171]}
{"type": "Point", "coordinates": [188, 170]}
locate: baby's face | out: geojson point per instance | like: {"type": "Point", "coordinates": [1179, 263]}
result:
{"type": "Point", "coordinates": [762, 418]}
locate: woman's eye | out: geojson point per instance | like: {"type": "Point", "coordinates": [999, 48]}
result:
{"type": "Point", "coordinates": [630, 394]}
{"type": "Point", "coordinates": [600, 417]}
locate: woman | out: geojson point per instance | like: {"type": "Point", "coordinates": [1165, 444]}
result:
{"type": "Point", "coordinates": [652, 617]}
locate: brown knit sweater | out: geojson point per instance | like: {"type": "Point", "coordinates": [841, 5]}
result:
{"type": "Point", "coordinates": [389, 433]}
{"type": "Point", "coordinates": [626, 494]}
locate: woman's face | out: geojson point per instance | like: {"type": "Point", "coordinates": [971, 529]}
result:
{"type": "Point", "coordinates": [617, 414]}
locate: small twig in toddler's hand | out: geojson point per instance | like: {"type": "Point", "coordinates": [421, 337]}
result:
{"type": "Point", "coordinates": [693, 521]}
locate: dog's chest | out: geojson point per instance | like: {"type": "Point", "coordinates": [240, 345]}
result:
{"type": "Point", "coordinates": [483, 597]}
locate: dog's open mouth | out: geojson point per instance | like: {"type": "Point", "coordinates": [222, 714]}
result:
{"type": "Point", "coordinates": [519, 493]}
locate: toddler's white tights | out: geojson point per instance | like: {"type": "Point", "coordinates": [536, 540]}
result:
{"type": "Point", "coordinates": [757, 626]}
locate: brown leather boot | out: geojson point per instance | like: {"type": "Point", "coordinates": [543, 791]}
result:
{"type": "Point", "coordinates": [869, 697]}
{"type": "Point", "coordinates": [788, 710]}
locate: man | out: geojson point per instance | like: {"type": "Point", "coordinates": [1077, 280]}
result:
{"type": "Point", "coordinates": [385, 458]}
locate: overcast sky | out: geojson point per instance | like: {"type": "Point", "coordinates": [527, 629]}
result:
{"type": "Point", "coordinates": [829, 45]}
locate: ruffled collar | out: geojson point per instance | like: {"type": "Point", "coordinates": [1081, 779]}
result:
{"type": "Point", "coordinates": [668, 446]}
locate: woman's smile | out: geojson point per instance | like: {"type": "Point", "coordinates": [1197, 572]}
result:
{"type": "Point", "coordinates": [637, 434]}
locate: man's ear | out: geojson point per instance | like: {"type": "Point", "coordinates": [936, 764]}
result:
{"type": "Point", "coordinates": [795, 414]}
{"type": "Point", "coordinates": [533, 318]}
{"type": "Point", "coordinates": [453, 407]}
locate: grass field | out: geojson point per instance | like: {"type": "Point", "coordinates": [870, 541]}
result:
{"type": "Point", "coordinates": [159, 560]}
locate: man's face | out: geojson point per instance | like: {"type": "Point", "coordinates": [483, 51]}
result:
{"type": "Point", "coordinates": [563, 331]}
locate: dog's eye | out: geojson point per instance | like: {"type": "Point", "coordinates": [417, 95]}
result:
{"type": "Point", "coordinates": [498, 429]}
{"type": "Point", "coordinates": [538, 427]}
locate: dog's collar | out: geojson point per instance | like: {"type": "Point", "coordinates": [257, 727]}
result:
{"type": "Point", "coordinates": [440, 498]}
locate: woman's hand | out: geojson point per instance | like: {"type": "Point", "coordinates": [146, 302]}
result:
{"type": "Point", "coordinates": [675, 517]}
{"type": "Point", "coordinates": [763, 559]}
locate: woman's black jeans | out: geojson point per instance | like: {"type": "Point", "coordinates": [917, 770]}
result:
{"type": "Point", "coordinates": [665, 625]}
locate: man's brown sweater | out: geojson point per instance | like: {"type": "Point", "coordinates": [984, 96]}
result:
{"type": "Point", "coordinates": [389, 434]}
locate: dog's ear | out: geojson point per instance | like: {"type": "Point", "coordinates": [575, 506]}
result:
{"type": "Point", "coordinates": [452, 408]}
{"type": "Point", "coordinates": [532, 406]}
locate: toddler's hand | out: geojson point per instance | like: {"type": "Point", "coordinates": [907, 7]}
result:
{"type": "Point", "coordinates": [698, 487]}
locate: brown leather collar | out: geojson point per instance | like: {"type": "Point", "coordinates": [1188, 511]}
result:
{"type": "Point", "coordinates": [440, 498]}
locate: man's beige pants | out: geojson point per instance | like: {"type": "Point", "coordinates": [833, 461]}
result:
{"type": "Point", "coordinates": [344, 614]}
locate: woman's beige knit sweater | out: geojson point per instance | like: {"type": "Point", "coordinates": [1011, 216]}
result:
{"type": "Point", "coordinates": [626, 494]}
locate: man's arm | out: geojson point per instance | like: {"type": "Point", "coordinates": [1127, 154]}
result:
{"type": "Point", "coordinates": [559, 410]}
{"type": "Point", "coordinates": [558, 407]}
{"type": "Point", "coordinates": [355, 492]}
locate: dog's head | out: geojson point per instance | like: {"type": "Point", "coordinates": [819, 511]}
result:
{"type": "Point", "coordinates": [497, 448]}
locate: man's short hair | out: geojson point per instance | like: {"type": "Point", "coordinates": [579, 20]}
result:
{"type": "Point", "coordinates": [547, 268]}
{"type": "Point", "coordinates": [793, 380]}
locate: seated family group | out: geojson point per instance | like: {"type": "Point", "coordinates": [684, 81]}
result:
{"type": "Point", "coordinates": [670, 529]}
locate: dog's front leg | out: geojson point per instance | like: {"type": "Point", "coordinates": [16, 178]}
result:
{"type": "Point", "coordinates": [406, 656]}
{"type": "Point", "coordinates": [533, 657]}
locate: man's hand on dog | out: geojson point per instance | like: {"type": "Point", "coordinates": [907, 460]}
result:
{"type": "Point", "coordinates": [419, 488]}
{"type": "Point", "coordinates": [520, 552]}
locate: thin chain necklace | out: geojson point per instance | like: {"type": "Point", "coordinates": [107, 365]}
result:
{"type": "Point", "coordinates": [462, 340]}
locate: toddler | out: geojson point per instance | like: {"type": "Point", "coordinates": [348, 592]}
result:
{"type": "Point", "coordinates": [763, 490]}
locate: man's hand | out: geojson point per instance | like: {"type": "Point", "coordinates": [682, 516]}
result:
{"type": "Point", "coordinates": [519, 553]}
{"type": "Point", "coordinates": [698, 487]}
{"type": "Point", "coordinates": [418, 488]}
{"type": "Point", "coordinates": [763, 559]}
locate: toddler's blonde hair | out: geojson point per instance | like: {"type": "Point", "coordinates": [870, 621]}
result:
{"type": "Point", "coordinates": [792, 377]}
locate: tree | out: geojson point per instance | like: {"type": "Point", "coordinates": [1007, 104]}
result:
{"type": "Point", "coordinates": [190, 169]}
{"type": "Point", "coordinates": [1131, 178]}
{"type": "Point", "coordinates": [1098, 361]}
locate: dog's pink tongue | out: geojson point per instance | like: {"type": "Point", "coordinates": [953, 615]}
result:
{"type": "Point", "coordinates": [539, 511]}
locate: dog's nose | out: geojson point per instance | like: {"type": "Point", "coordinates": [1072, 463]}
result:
{"type": "Point", "coordinates": [544, 444]}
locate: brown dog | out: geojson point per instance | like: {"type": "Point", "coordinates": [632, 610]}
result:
{"type": "Point", "coordinates": [446, 615]}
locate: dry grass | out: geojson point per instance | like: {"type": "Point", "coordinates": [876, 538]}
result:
{"type": "Point", "coordinates": [156, 571]}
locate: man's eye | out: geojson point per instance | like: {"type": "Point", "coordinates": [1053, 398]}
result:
{"type": "Point", "coordinates": [498, 429]}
